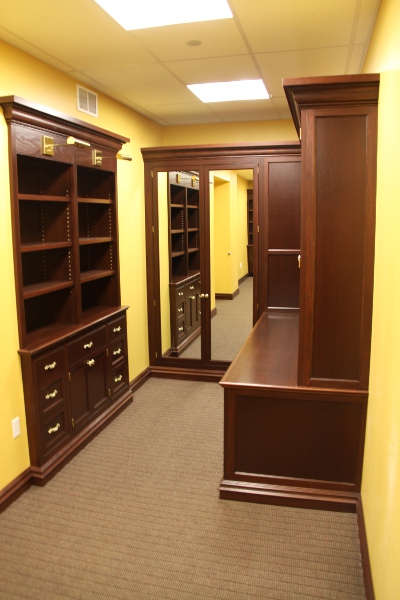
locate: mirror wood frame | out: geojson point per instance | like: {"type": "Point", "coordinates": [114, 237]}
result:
{"type": "Point", "coordinates": [204, 158]}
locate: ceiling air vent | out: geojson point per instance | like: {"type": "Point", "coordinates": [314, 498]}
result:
{"type": "Point", "coordinates": [86, 101]}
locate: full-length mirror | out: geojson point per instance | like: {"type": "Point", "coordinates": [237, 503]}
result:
{"type": "Point", "coordinates": [231, 260]}
{"type": "Point", "coordinates": [179, 263]}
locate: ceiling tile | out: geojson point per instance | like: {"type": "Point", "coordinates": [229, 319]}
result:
{"type": "Point", "coordinates": [366, 20]}
{"type": "Point", "coordinates": [145, 85]}
{"type": "Point", "coordinates": [209, 70]}
{"type": "Point", "coordinates": [295, 24]}
{"type": "Point", "coordinates": [218, 38]}
{"type": "Point", "coordinates": [249, 110]}
{"type": "Point", "coordinates": [356, 59]}
{"type": "Point", "coordinates": [305, 63]}
{"type": "Point", "coordinates": [61, 30]}
{"type": "Point", "coordinates": [185, 114]}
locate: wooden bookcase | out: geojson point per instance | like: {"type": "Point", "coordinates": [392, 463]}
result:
{"type": "Point", "coordinates": [72, 327]}
{"type": "Point", "coordinates": [184, 264]}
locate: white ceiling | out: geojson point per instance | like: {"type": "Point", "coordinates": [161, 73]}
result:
{"type": "Point", "coordinates": [148, 70]}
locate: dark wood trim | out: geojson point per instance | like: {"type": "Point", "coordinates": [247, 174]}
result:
{"type": "Point", "coordinates": [139, 380]}
{"type": "Point", "coordinates": [168, 154]}
{"type": "Point", "coordinates": [304, 92]}
{"type": "Point", "coordinates": [41, 475]}
{"type": "Point", "coordinates": [190, 373]}
{"type": "Point", "coordinates": [227, 296]}
{"type": "Point", "coordinates": [318, 499]}
{"type": "Point", "coordinates": [20, 110]}
{"type": "Point", "coordinates": [366, 565]}
{"type": "Point", "coordinates": [14, 489]}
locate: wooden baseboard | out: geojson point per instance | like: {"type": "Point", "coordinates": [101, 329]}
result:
{"type": "Point", "coordinates": [244, 278]}
{"type": "Point", "coordinates": [14, 489]}
{"type": "Point", "coordinates": [193, 374]}
{"type": "Point", "coordinates": [366, 565]}
{"type": "Point", "coordinates": [136, 383]}
{"type": "Point", "coordinates": [318, 499]}
{"type": "Point", "coordinates": [227, 296]}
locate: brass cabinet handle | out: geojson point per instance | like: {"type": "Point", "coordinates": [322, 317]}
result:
{"type": "Point", "coordinates": [299, 260]}
{"type": "Point", "coordinates": [180, 329]}
{"type": "Point", "coordinates": [50, 366]}
{"type": "Point", "coordinates": [180, 293]}
{"type": "Point", "coordinates": [91, 362]}
{"type": "Point", "coordinates": [191, 287]}
{"type": "Point", "coordinates": [51, 395]}
{"type": "Point", "coordinates": [117, 379]}
{"type": "Point", "coordinates": [116, 352]}
{"type": "Point", "coordinates": [87, 346]}
{"type": "Point", "coordinates": [54, 429]}
{"type": "Point", "coordinates": [180, 309]}
{"type": "Point", "coordinates": [117, 329]}
{"type": "Point", "coordinates": [203, 295]}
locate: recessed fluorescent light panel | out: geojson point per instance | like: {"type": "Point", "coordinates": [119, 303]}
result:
{"type": "Point", "coordinates": [141, 14]}
{"type": "Point", "coordinates": [227, 91]}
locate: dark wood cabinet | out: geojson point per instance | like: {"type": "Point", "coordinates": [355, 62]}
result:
{"type": "Point", "coordinates": [296, 396]}
{"type": "Point", "coordinates": [65, 236]}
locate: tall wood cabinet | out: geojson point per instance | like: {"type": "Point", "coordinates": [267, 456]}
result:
{"type": "Point", "coordinates": [72, 328]}
{"type": "Point", "coordinates": [184, 264]}
{"type": "Point", "coordinates": [296, 395]}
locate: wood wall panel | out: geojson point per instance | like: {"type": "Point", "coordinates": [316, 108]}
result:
{"type": "Point", "coordinates": [339, 246]}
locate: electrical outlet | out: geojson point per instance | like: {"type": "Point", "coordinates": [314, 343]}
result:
{"type": "Point", "coordinates": [16, 428]}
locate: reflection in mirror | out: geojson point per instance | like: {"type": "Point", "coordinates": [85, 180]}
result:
{"type": "Point", "coordinates": [179, 259]}
{"type": "Point", "coordinates": [231, 232]}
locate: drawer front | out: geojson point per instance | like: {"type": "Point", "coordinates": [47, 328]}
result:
{"type": "Point", "coordinates": [119, 380]}
{"type": "Point", "coordinates": [118, 351]}
{"type": "Point", "coordinates": [50, 365]}
{"type": "Point", "coordinates": [51, 395]}
{"type": "Point", "coordinates": [84, 346]}
{"type": "Point", "coordinates": [54, 431]}
{"type": "Point", "coordinates": [117, 328]}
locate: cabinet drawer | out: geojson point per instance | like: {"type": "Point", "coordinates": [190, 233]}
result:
{"type": "Point", "coordinates": [87, 344]}
{"type": "Point", "coordinates": [50, 364]}
{"type": "Point", "coordinates": [119, 380]}
{"type": "Point", "coordinates": [54, 430]}
{"type": "Point", "coordinates": [51, 395]}
{"type": "Point", "coordinates": [118, 350]}
{"type": "Point", "coordinates": [117, 328]}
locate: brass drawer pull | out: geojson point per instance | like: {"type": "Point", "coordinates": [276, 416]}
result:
{"type": "Point", "coordinates": [87, 346]}
{"type": "Point", "coordinates": [191, 287]}
{"type": "Point", "coordinates": [51, 395]}
{"type": "Point", "coordinates": [50, 366]}
{"type": "Point", "coordinates": [90, 363]}
{"type": "Point", "coordinates": [180, 329]}
{"type": "Point", "coordinates": [180, 293]}
{"type": "Point", "coordinates": [180, 309]}
{"type": "Point", "coordinates": [117, 329]}
{"type": "Point", "coordinates": [193, 297]}
{"type": "Point", "coordinates": [54, 429]}
{"type": "Point", "coordinates": [116, 352]}
{"type": "Point", "coordinates": [117, 379]}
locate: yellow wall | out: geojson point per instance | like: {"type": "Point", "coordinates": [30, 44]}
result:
{"type": "Point", "coordinates": [381, 475]}
{"type": "Point", "coordinates": [243, 185]}
{"type": "Point", "coordinates": [223, 133]}
{"type": "Point", "coordinates": [29, 78]}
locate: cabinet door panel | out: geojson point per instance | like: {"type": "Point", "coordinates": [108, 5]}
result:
{"type": "Point", "coordinates": [97, 381]}
{"type": "Point", "coordinates": [79, 398]}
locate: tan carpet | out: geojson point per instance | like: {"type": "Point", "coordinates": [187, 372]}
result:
{"type": "Point", "coordinates": [136, 515]}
